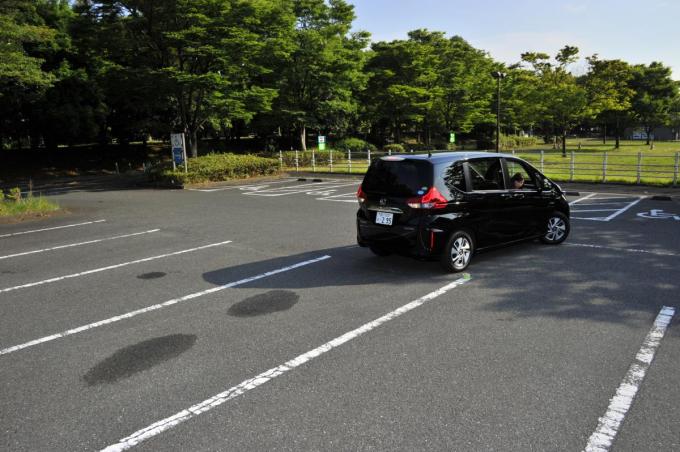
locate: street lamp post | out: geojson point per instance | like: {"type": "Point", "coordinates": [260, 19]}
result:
{"type": "Point", "coordinates": [498, 76]}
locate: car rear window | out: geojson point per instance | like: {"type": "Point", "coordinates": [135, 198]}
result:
{"type": "Point", "coordinates": [402, 177]}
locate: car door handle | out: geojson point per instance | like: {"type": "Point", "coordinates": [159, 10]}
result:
{"type": "Point", "coordinates": [518, 195]}
{"type": "Point", "coordinates": [505, 195]}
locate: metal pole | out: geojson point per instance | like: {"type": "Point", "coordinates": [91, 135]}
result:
{"type": "Point", "coordinates": [542, 161]}
{"type": "Point", "coordinates": [349, 160]}
{"type": "Point", "coordinates": [677, 166]}
{"type": "Point", "coordinates": [604, 167]}
{"type": "Point", "coordinates": [280, 160]}
{"type": "Point", "coordinates": [571, 167]}
{"type": "Point", "coordinates": [389, 152]}
{"type": "Point", "coordinates": [313, 161]}
{"type": "Point", "coordinates": [297, 162]}
{"type": "Point", "coordinates": [369, 157]}
{"type": "Point", "coordinates": [330, 159]}
{"type": "Point", "coordinates": [498, 116]}
{"type": "Point", "coordinates": [639, 167]}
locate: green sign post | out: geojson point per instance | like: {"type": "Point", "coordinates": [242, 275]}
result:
{"type": "Point", "coordinates": [452, 137]}
{"type": "Point", "coordinates": [322, 143]}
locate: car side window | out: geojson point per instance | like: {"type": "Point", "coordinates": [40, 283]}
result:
{"type": "Point", "coordinates": [520, 177]}
{"type": "Point", "coordinates": [454, 177]}
{"type": "Point", "coordinates": [486, 174]}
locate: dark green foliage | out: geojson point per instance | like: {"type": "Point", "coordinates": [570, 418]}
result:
{"type": "Point", "coordinates": [354, 145]}
{"type": "Point", "coordinates": [122, 71]}
{"type": "Point", "coordinates": [395, 148]}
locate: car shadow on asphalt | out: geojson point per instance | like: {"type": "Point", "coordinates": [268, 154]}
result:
{"type": "Point", "coordinates": [524, 280]}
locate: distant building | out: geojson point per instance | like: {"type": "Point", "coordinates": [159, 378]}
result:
{"type": "Point", "coordinates": [660, 133]}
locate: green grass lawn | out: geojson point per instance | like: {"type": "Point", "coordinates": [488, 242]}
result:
{"type": "Point", "coordinates": [658, 166]}
{"type": "Point", "coordinates": [17, 206]}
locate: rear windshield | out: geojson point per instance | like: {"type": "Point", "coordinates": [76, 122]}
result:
{"type": "Point", "coordinates": [398, 177]}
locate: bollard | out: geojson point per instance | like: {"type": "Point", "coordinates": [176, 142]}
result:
{"type": "Point", "coordinates": [369, 156]}
{"type": "Point", "coordinates": [280, 160]}
{"type": "Point", "coordinates": [297, 162]}
{"type": "Point", "coordinates": [639, 167]}
{"type": "Point", "coordinates": [389, 152]}
{"type": "Point", "coordinates": [604, 167]}
{"type": "Point", "coordinates": [571, 167]}
{"type": "Point", "coordinates": [349, 161]}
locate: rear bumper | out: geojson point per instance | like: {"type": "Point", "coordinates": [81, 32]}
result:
{"type": "Point", "coordinates": [407, 239]}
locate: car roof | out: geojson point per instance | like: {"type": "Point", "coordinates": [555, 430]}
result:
{"type": "Point", "coordinates": [439, 157]}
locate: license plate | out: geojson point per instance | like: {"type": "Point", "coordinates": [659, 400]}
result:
{"type": "Point", "coordinates": [384, 218]}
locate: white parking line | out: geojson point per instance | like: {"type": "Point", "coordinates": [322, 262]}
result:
{"type": "Point", "coordinates": [628, 200]}
{"type": "Point", "coordinates": [348, 197]}
{"type": "Point", "coordinates": [51, 229]}
{"type": "Point", "coordinates": [243, 186]}
{"type": "Point", "coordinates": [111, 267]}
{"type": "Point", "coordinates": [609, 424]}
{"type": "Point", "coordinates": [582, 199]}
{"type": "Point", "coordinates": [595, 210]}
{"type": "Point", "coordinates": [628, 250]}
{"type": "Point", "coordinates": [584, 204]}
{"type": "Point", "coordinates": [155, 307]}
{"type": "Point", "coordinates": [71, 245]}
{"type": "Point", "coordinates": [611, 217]}
{"type": "Point", "coordinates": [159, 427]}
{"type": "Point", "coordinates": [306, 188]}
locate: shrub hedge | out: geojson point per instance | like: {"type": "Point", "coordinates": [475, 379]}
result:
{"type": "Point", "coordinates": [216, 168]}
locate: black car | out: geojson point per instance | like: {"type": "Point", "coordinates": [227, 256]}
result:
{"type": "Point", "coordinates": [453, 204]}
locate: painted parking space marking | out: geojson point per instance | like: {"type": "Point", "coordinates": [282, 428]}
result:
{"type": "Point", "coordinates": [612, 207]}
{"type": "Point", "coordinates": [608, 426]}
{"type": "Point", "coordinates": [213, 402]}
{"type": "Point", "coordinates": [156, 307]}
{"type": "Point", "coordinates": [314, 189]}
{"type": "Point", "coordinates": [344, 197]}
{"type": "Point", "coordinates": [627, 250]}
{"type": "Point", "coordinates": [659, 214]}
{"type": "Point", "coordinates": [52, 228]}
{"type": "Point", "coordinates": [582, 199]}
{"type": "Point", "coordinates": [71, 245]}
{"type": "Point", "coordinates": [112, 267]}
{"type": "Point", "coordinates": [255, 186]}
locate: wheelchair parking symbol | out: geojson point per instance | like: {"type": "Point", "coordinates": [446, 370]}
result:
{"type": "Point", "coordinates": [659, 214]}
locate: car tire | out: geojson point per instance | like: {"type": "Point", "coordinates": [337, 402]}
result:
{"type": "Point", "coordinates": [379, 251]}
{"type": "Point", "coordinates": [556, 229]}
{"type": "Point", "coordinates": [458, 252]}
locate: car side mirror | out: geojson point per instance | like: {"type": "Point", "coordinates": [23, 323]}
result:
{"type": "Point", "coordinates": [546, 184]}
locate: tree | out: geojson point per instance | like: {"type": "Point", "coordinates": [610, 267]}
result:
{"type": "Point", "coordinates": [654, 94]}
{"type": "Point", "coordinates": [430, 83]}
{"type": "Point", "coordinates": [608, 86]}
{"type": "Point", "coordinates": [319, 81]}
{"type": "Point", "coordinates": [465, 87]}
{"type": "Point", "coordinates": [208, 57]}
{"type": "Point", "coordinates": [564, 102]}
{"type": "Point", "coordinates": [22, 78]}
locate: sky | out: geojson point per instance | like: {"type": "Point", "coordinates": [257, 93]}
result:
{"type": "Point", "coordinates": [637, 31]}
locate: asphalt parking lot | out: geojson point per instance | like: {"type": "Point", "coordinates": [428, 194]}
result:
{"type": "Point", "coordinates": [244, 317]}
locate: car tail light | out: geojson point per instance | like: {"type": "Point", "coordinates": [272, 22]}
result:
{"type": "Point", "coordinates": [430, 200]}
{"type": "Point", "coordinates": [361, 196]}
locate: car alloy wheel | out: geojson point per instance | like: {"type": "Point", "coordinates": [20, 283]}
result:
{"type": "Point", "coordinates": [458, 252]}
{"type": "Point", "coordinates": [557, 229]}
